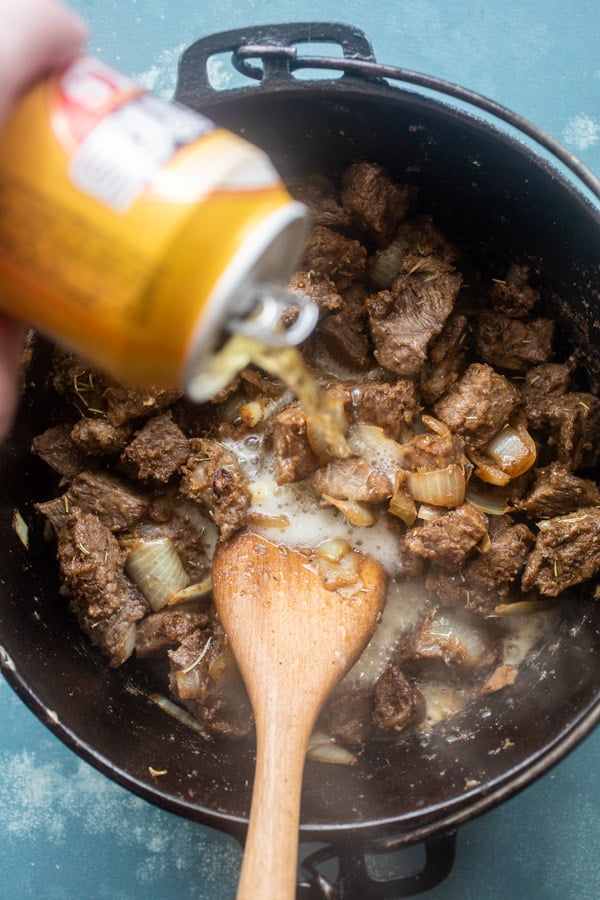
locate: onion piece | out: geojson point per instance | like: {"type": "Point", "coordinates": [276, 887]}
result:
{"type": "Point", "coordinates": [155, 567]}
{"type": "Point", "coordinates": [371, 442]}
{"type": "Point", "coordinates": [326, 429]}
{"type": "Point", "coordinates": [512, 449]}
{"type": "Point", "coordinates": [440, 487]}
{"type": "Point", "coordinates": [428, 513]}
{"type": "Point", "coordinates": [402, 505]}
{"type": "Point", "coordinates": [177, 712]}
{"type": "Point", "coordinates": [386, 264]}
{"type": "Point", "coordinates": [489, 502]}
{"type": "Point", "coordinates": [523, 607]}
{"type": "Point", "coordinates": [356, 513]}
{"type": "Point", "coordinates": [323, 748]}
{"type": "Point", "coordinates": [333, 549]}
{"type": "Point", "coordinates": [487, 471]}
{"type": "Point", "coordinates": [193, 592]}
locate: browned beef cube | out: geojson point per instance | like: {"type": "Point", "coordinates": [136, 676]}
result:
{"type": "Point", "coordinates": [450, 538]}
{"type": "Point", "coordinates": [214, 478]}
{"type": "Point", "coordinates": [158, 451]}
{"type": "Point", "coordinates": [286, 434]}
{"type": "Point", "coordinates": [430, 450]}
{"type": "Point", "coordinates": [353, 479]}
{"type": "Point", "coordinates": [317, 287]}
{"type": "Point", "coordinates": [397, 702]}
{"type": "Point", "coordinates": [164, 630]}
{"type": "Point", "coordinates": [478, 405]}
{"type": "Point", "coordinates": [556, 491]}
{"type": "Point", "coordinates": [543, 381]}
{"type": "Point", "coordinates": [489, 578]}
{"type": "Point", "coordinates": [212, 688]}
{"type": "Point", "coordinates": [566, 552]}
{"type": "Point", "coordinates": [573, 422]}
{"type": "Point", "coordinates": [512, 344]}
{"type": "Point", "coordinates": [106, 604]}
{"type": "Point", "coordinates": [376, 202]}
{"type": "Point", "coordinates": [513, 296]}
{"type": "Point", "coordinates": [320, 195]}
{"type": "Point", "coordinates": [347, 716]}
{"type": "Point", "coordinates": [339, 258]}
{"type": "Point", "coordinates": [115, 503]}
{"type": "Point", "coordinates": [78, 383]}
{"type": "Point", "coordinates": [99, 437]}
{"type": "Point", "coordinates": [445, 360]}
{"type": "Point", "coordinates": [405, 319]}
{"type": "Point", "coordinates": [57, 449]}
{"type": "Point", "coordinates": [126, 403]}
{"type": "Point", "coordinates": [393, 407]}
{"type": "Point", "coordinates": [346, 332]}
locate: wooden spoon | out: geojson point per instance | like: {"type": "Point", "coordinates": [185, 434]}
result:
{"type": "Point", "coordinates": [294, 634]}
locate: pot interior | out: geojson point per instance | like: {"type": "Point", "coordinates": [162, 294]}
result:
{"type": "Point", "coordinates": [488, 193]}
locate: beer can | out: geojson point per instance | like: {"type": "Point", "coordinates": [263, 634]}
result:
{"type": "Point", "coordinates": [133, 229]}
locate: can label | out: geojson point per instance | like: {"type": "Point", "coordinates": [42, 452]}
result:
{"type": "Point", "coordinates": [125, 220]}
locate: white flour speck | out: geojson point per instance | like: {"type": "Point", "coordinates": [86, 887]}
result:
{"type": "Point", "coordinates": [581, 132]}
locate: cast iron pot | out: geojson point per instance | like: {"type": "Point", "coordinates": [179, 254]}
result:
{"type": "Point", "coordinates": [500, 197]}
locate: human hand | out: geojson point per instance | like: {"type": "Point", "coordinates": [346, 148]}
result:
{"type": "Point", "coordinates": [36, 37]}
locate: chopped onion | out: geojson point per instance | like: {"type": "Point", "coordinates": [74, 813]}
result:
{"type": "Point", "coordinates": [323, 748]}
{"type": "Point", "coordinates": [494, 504]}
{"type": "Point", "coordinates": [440, 487]}
{"type": "Point", "coordinates": [253, 412]}
{"type": "Point", "coordinates": [433, 424]}
{"type": "Point", "coordinates": [356, 513]}
{"type": "Point", "coordinates": [177, 712]}
{"type": "Point", "coordinates": [334, 549]}
{"type": "Point", "coordinates": [452, 636]}
{"type": "Point", "coordinates": [428, 513]}
{"type": "Point", "coordinates": [487, 471]}
{"type": "Point", "coordinates": [189, 684]}
{"type": "Point", "coordinates": [260, 520]}
{"type": "Point", "coordinates": [402, 505]}
{"type": "Point", "coordinates": [371, 442]}
{"type": "Point", "coordinates": [341, 573]}
{"type": "Point", "coordinates": [523, 607]}
{"type": "Point", "coordinates": [192, 592]}
{"type": "Point", "coordinates": [155, 567]}
{"type": "Point", "coordinates": [512, 449]}
{"type": "Point", "coordinates": [386, 264]}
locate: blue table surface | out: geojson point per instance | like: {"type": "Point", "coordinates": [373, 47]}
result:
{"type": "Point", "coordinates": [66, 831]}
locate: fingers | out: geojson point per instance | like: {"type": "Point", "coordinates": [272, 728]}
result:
{"type": "Point", "coordinates": [36, 36]}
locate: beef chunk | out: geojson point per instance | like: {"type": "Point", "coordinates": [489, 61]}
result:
{"type": "Point", "coordinates": [573, 423]}
{"type": "Point", "coordinates": [376, 202]}
{"type": "Point", "coordinates": [392, 407]}
{"type": "Point", "coordinates": [214, 478]}
{"type": "Point", "coordinates": [434, 450]}
{"type": "Point", "coordinates": [99, 437]}
{"type": "Point", "coordinates": [212, 688]}
{"type": "Point", "coordinates": [398, 703]}
{"type": "Point", "coordinates": [164, 630]}
{"type": "Point", "coordinates": [450, 538]}
{"type": "Point", "coordinates": [512, 344]}
{"type": "Point", "coordinates": [79, 384]}
{"type": "Point", "coordinates": [126, 403]}
{"type": "Point", "coordinates": [542, 382]}
{"type": "Point", "coordinates": [445, 361]}
{"type": "Point", "coordinates": [566, 552]}
{"type": "Point", "coordinates": [286, 434]}
{"type": "Point", "coordinates": [478, 405]}
{"type": "Point", "coordinates": [353, 479]}
{"type": "Point", "coordinates": [320, 195]}
{"type": "Point", "coordinates": [339, 258]}
{"type": "Point", "coordinates": [317, 287]}
{"type": "Point", "coordinates": [346, 332]}
{"type": "Point", "coordinates": [117, 505]}
{"type": "Point", "coordinates": [106, 604]}
{"type": "Point", "coordinates": [347, 716]}
{"type": "Point", "coordinates": [158, 451]}
{"type": "Point", "coordinates": [489, 579]}
{"type": "Point", "coordinates": [57, 449]}
{"type": "Point", "coordinates": [556, 491]}
{"type": "Point", "coordinates": [405, 319]}
{"type": "Point", "coordinates": [513, 296]}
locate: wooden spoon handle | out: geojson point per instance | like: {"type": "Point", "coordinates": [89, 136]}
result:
{"type": "Point", "coordinates": [269, 868]}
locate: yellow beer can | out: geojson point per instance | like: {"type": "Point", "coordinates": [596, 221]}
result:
{"type": "Point", "coordinates": [133, 230]}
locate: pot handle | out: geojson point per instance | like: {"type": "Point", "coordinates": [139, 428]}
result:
{"type": "Point", "coordinates": [274, 48]}
{"type": "Point", "coordinates": [357, 878]}
{"type": "Point", "coordinates": [193, 80]}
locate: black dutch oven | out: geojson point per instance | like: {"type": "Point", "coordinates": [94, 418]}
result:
{"type": "Point", "coordinates": [501, 198]}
